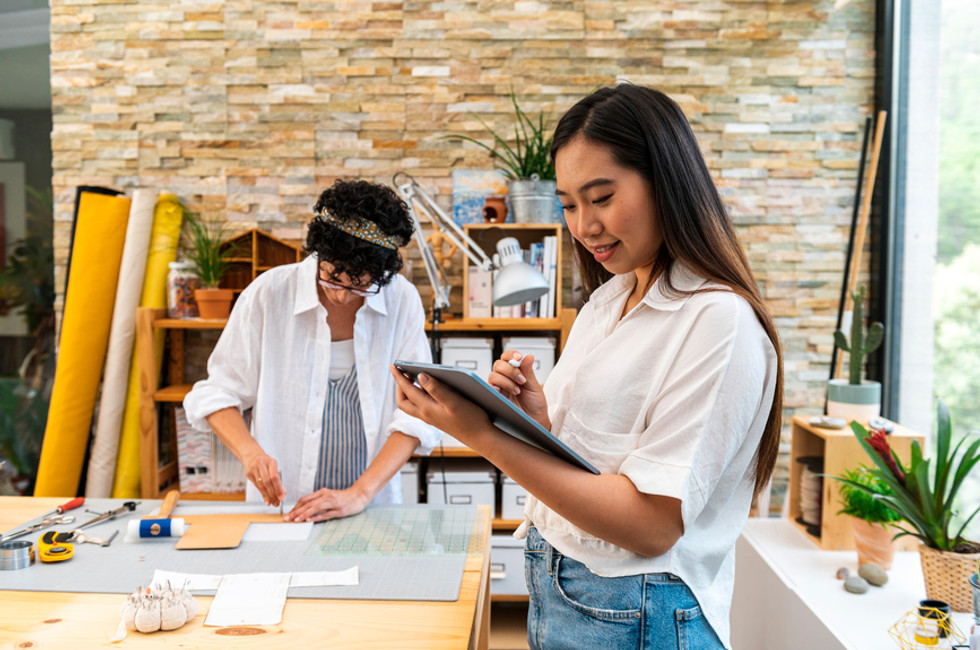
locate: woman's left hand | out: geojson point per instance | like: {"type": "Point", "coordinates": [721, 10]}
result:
{"type": "Point", "coordinates": [440, 406]}
{"type": "Point", "coordinates": [328, 504]}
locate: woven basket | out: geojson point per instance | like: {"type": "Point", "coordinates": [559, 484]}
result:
{"type": "Point", "coordinates": [947, 576]}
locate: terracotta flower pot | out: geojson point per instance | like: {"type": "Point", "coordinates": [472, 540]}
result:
{"type": "Point", "coordinates": [213, 303]}
{"type": "Point", "coordinates": [947, 576]}
{"type": "Point", "coordinates": [873, 542]}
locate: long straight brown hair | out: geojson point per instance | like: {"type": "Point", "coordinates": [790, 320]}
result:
{"type": "Point", "coordinates": [646, 131]}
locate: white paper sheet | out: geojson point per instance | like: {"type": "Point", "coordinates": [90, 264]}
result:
{"type": "Point", "coordinates": [249, 599]}
{"type": "Point", "coordinates": [257, 532]}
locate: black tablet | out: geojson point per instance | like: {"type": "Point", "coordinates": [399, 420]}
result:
{"type": "Point", "coordinates": [504, 414]}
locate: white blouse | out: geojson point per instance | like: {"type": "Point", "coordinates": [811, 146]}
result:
{"type": "Point", "coordinates": [675, 396]}
{"type": "Point", "coordinates": [274, 357]}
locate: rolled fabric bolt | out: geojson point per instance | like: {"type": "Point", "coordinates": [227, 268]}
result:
{"type": "Point", "coordinates": [150, 528]}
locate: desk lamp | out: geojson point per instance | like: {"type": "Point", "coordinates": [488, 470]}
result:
{"type": "Point", "coordinates": [516, 280]}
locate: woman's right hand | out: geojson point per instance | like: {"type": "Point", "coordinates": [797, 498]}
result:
{"type": "Point", "coordinates": [262, 470]}
{"type": "Point", "coordinates": [520, 385]}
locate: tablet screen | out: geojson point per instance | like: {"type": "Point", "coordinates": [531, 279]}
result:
{"type": "Point", "coordinates": [504, 414]}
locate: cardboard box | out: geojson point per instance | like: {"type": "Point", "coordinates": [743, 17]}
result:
{"type": "Point", "coordinates": [474, 354]}
{"type": "Point", "coordinates": [507, 565]}
{"type": "Point", "coordinates": [462, 483]}
{"type": "Point", "coordinates": [512, 497]}
{"type": "Point", "coordinates": [542, 347]}
{"type": "Point", "coordinates": [410, 482]}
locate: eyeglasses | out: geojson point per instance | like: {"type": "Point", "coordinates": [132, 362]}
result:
{"type": "Point", "coordinates": [369, 291]}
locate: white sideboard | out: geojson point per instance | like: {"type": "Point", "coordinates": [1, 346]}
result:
{"type": "Point", "coordinates": [787, 595]}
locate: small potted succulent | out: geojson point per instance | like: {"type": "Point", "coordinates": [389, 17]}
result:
{"type": "Point", "coordinates": [870, 517]}
{"type": "Point", "coordinates": [855, 398]}
{"type": "Point", "coordinates": [924, 497]}
{"type": "Point", "coordinates": [527, 166]}
{"type": "Point", "coordinates": [205, 250]}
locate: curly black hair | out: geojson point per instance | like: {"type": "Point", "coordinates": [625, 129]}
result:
{"type": "Point", "coordinates": [357, 199]}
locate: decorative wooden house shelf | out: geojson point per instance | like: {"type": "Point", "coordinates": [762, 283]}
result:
{"type": "Point", "coordinates": [255, 251]}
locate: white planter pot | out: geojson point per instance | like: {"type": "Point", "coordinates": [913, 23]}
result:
{"type": "Point", "coordinates": [859, 402]}
{"type": "Point", "coordinates": [533, 201]}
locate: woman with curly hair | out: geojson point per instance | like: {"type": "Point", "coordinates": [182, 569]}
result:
{"type": "Point", "coordinates": [307, 349]}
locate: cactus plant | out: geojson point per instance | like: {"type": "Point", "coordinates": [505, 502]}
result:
{"type": "Point", "coordinates": [861, 345]}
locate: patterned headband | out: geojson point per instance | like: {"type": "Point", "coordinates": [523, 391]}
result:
{"type": "Point", "coordinates": [362, 229]}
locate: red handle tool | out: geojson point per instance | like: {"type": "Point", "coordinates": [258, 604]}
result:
{"type": "Point", "coordinates": [65, 507]}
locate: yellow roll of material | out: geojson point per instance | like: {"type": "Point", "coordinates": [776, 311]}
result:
{"type": "Point", "coordinates": [167, 218]}
{"type": "Point", "coordinates": [100, 232]}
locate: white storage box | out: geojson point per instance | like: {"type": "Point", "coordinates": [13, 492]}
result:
{"type": "Point", "coordinates": [507, 565]}
{"type": "Point", "coordinates": [512, 497]}
{"type": "Point", "coordinates": [542, 347]}
{"type": "Point", "coordinates": [463, 483]}
{"type": "Point", "coordinates": [410, 482]}
{"type": "Point", "coordinates": [474, 354]}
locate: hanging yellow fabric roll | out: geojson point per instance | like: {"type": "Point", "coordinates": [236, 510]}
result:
{"type": "Point", "coordinates": [167, 219]}
{"type": "Point", "coordinates": [100, 232]}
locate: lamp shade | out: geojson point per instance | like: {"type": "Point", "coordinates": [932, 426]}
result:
{"type": "Point", "coordinates": [517, 281]}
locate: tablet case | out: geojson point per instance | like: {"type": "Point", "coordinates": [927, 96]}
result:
{"type": "Point", "coordinates": [504, 414]}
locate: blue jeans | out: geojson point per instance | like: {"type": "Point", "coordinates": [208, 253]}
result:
{"type": "Point", "coordinates": [571, 607]}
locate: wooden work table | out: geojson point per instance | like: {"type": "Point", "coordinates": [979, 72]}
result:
{"type": "Point", "coordinates": [35, 619]}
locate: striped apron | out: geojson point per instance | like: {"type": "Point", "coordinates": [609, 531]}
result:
{"type": "Point", "coordinates": [343, 445]}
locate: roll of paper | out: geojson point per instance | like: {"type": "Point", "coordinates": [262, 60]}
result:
{"type": "Point", "coordinates": [105, 443]}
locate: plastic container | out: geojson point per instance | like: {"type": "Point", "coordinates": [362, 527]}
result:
{"type": "Point", "coordinates": [182, 280]}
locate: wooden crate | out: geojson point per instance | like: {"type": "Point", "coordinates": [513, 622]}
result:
{"type": "Point", "coordinates": [840, 451]}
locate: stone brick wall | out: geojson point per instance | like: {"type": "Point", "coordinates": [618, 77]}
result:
{"type": "Point", "coordinates": [248, 108]}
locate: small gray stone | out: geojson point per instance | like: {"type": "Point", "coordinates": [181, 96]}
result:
{"type": "Point", "coordinates": [856, 585]}
{"type": "Point", "coordinates": [873, 573]}
{"type": "Point", "coordinates": [842, 573]}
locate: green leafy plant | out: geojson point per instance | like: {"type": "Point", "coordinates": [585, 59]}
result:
{"type": "Point", "coordinates": [205, 249]}
{"type": "Point", "coordinates": [861, 345]}
{"type": "Point", "coordinates": [861, 503]}
{"type": "Point", "coordinates": [531, 151]}
{"type": "Point", "coordinates": [924, 493]}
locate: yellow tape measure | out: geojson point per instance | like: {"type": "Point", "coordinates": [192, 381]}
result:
{"type": "Point", "coordinates": [51, 549]}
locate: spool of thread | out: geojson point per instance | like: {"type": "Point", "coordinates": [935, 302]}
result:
{"type": "Point", "coordinates": [152, 528]}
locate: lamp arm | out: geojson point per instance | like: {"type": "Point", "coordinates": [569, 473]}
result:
{"type": "Point", "coordinates": [437, 278]}
{"type": "Point", "coordinates": [417, 199]}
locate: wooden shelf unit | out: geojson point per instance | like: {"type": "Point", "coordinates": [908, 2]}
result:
{"type": "Point", "coordinates": [151, 324]}
{"type": "Point", "coordinates": [840, 451]}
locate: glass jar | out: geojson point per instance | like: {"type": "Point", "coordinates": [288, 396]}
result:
{"type": "Point", "coordinates": [181, 282]}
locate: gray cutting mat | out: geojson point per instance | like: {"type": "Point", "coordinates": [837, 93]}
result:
{"type": "Point", "coordinates": [402, 553]}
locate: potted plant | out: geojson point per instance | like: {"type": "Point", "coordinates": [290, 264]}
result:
{"type": "Point", "coordinates": [870, 517]}
{"type": "Point", "coordinates": [210, 258]}
{"type": "Point", "coordinates": [924, 497]}
{"type": "Point", "coordinates": [854, 398]}
{"type": "Point", "coordinates": [527, 166]}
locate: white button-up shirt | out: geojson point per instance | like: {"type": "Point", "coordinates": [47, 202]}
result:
{"type": "Point", "coordinates": [675, 395]}
{"type": "Point", "coordinates": [274, 357]}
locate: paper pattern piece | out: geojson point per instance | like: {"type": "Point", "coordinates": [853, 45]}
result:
{"type": "Point", "coordinates": [249, 599]}
{"type": "Point", "coordinates": [207, 582]}
{"type": "Point", "coordinates": [259, 532]}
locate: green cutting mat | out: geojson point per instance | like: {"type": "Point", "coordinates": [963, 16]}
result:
{"type": "Point", "coordinates": [398, 531]}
